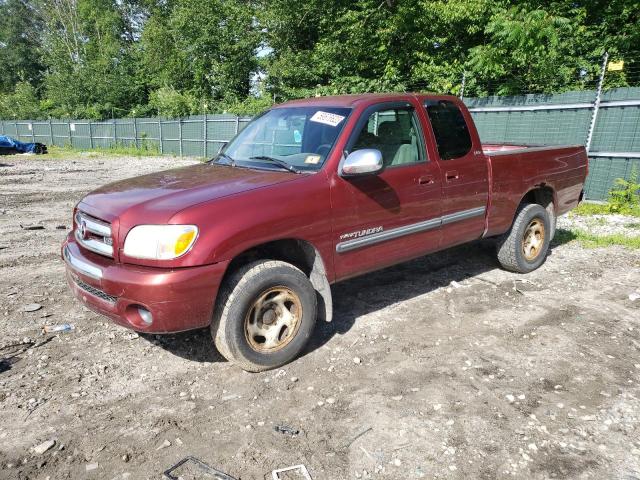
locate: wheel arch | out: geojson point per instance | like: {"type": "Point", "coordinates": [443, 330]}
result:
{"type": "Point", "coordinates": [301, 254]}
{"type": "Point", "coordinates": [542, 194]}
{"type": "Point", "coordinates": [545, 196]}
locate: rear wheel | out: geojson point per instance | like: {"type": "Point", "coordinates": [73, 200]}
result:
{"type": "Point", "coordinates": [265, 314]}
{"type": "Point", "coordinates": [524, 248]}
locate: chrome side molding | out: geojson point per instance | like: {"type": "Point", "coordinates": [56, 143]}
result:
{"type": "Point", "coordinates": [408, 229]}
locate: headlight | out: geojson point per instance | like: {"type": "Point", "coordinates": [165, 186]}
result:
{"type": "Point", "coordinates": [159, 242]}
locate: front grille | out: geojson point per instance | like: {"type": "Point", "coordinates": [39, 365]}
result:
{"type": "Point", "coordinates": [94, 234]}
{"type": "Point", "coordinates": [94, 291]}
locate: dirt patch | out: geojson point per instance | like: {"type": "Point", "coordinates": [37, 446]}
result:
{"type": "Point", "coordinates": [495, 375]}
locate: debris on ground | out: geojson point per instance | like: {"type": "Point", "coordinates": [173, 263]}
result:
{"type": "Point", "coordinates": [32, 227]}
{"type": "Point", "coordinates": [65, 327]}
{"type": "Point", "coordinates": [286, 430]}
{"type": "Point", "coordinates": [32, 307]}
{"type": "Point", "coordinates": [43, 447]}
{"type": "Point", "coordinates": [192, 467]}
{"type": "Point", "coordinates": [165, 444]}
{"type": "Point", "coordinates": [298, 469]}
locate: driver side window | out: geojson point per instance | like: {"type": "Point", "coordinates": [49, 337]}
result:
{"type": "Point", "coordinates": [395, 132]}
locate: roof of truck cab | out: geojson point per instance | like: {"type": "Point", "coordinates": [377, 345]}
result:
{"type": "Point", "coordinates": [353, 100]}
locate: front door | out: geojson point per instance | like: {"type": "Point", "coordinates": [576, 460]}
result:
{"type": "Point", "coordinates": [382, 219]}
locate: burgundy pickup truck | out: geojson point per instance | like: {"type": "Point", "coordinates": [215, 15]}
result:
{"type": "Point", "coordinates": [310, 193]}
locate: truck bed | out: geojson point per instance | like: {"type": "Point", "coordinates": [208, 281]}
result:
{"type": "Point", "coordinates": [515, 169]}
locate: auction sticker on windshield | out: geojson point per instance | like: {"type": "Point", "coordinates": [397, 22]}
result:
{"type": "Point", "coordinates": [327, 118]}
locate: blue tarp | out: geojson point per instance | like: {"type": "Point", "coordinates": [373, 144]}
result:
{"type": "Point", "coordinates": [9, 146]}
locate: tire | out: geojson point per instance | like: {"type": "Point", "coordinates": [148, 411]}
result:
{"type": "Point", "coordinates": [253, 301]}
{"type": "Point", "coordinates": [531, 219]}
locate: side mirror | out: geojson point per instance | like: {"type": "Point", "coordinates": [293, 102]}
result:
{"type": "Point", "coordinates": [367, 161]}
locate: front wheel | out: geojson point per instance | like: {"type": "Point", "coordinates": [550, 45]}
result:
{"type": "Point", "coordinates": [264, 316]}
{"type": "Point", "coordinates": [524, 248]}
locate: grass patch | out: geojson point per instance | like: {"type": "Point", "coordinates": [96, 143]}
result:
{"type": "Point", "coordinates": [588, 209]}
{"type": "Point", "coordinates": [145, 150]}
{"type": "Point", "coordinates": [589, 240]}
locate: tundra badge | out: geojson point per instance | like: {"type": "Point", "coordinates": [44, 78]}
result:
{"type": "Point", "coordinates": [361, 233]}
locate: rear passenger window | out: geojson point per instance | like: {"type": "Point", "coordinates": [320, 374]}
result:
{"type": "Point", "coordinates": [450, 129]}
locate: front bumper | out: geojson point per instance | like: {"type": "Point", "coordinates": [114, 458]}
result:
{"type": "Point", "coordinates": [178, 299]}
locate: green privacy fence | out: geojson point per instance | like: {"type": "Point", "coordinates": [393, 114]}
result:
{"type": "Point", "coordinates": [567, 118]}
{"type": "Point", "coordinates": [198, 136]}
{"type": "Point", "coordinates": [559, 119]}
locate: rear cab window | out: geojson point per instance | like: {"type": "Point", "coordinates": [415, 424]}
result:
{"type": "Point", "coordinates": [450, 129]}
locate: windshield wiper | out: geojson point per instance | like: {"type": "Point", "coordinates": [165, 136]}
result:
{"type": "Point", "coordinates": [229, 159]}
{"type": "Point", "coordinates": [277, 161]}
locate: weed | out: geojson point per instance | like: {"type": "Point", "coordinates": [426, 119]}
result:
{"type": "Point", "coordinates": [626, 197]}
{"type": "Point", "coordinates": [589, 240]}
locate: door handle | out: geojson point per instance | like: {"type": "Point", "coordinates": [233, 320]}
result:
{"type": "Point", "coordinates": [426, 180]}
{"type": "Point", "coordinates": [452, 175]}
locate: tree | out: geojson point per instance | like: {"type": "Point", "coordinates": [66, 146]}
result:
{"type": "Point", "coordinates": [205, 49]}
{"type": "Point", "coordinates": [87, 46]}
{"type": "Point", "coordinates": [527, 51]}
{"type": "Point", "coordinates": [20, 55]}
{"type": "Point", "coordinates": [22, 103]}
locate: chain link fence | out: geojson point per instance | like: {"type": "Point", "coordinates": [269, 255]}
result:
{"type": "Point", "coordinates": [604, 119]}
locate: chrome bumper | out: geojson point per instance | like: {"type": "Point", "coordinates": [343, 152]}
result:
{"type": "Point", "coordinates": [81, 266]}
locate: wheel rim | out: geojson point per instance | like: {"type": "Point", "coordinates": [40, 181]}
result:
{"type": "Point", "coordinates": [533, 239]}
{"type": "Point", "coordinates": [273, 320]}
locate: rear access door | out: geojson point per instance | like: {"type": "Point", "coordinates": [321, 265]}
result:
{"type": "Point", "coordinates": [465, 186]}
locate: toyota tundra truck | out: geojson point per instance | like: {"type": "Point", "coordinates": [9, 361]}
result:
{"type": "Point", "coordinates": [310, 193]}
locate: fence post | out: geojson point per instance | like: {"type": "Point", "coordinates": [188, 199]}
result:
{"type": "Point", "coordinates": [51, 142]}
{"type": "Point", "coordinates": [180, 133]}
{"type": "Point", "coordinates": [596, 103]}
{"type": "Point", "coordinates": [204, 149]}
{"type": "Point", "coordinates": [90, 136]}
{"type": "Point", "coordinates": [237, 123]}
{"type": "Point", "coordinates": [464, 81]}
{"type": "Point", "coordinates": [15, 127]}
{"type": "Point", "coordinates": [135, 132]}
{"type": "Point", "coordinates": [160, 135]}
{"type": "Point", "coordinates": [69, 132]}
{"type": "Point", "coordinates": [33, 133]}
{"type": "Point", "coordinates": [115, 134]}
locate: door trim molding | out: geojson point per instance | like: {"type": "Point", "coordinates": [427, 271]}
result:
{"type": "Point", "coordinates": [419, 227]}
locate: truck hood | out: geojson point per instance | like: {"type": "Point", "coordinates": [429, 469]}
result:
{"type": "Point", "coordinates": [156, 197]}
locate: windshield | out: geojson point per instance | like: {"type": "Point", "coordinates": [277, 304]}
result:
{"type": "Point", "coordinates": [300, 137]}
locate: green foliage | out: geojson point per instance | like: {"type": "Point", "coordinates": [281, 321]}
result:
{"type": "Point", "coordinates": [20, 55]}
{"type": "Point", "coordinates": [203, 48]}
{"type": "Point", "coordinates": [168, 102]}
{"type": "Point", "coordinates": [527, 51]}
{"type": "Point", "coordinates": [23, 103]}
{"type": "Point", "coordinates": [624, 198]}
{"type": "Point", "coordinates": [114, 58]}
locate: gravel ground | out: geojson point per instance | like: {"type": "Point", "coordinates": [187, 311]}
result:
{"type": "Point", "coordinates": [443, 367]}
{"type": "Point", "coordinates": [601, 224]}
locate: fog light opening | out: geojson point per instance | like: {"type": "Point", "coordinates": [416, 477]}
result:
{"type": "Point", "coordinates": [145, 316]}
